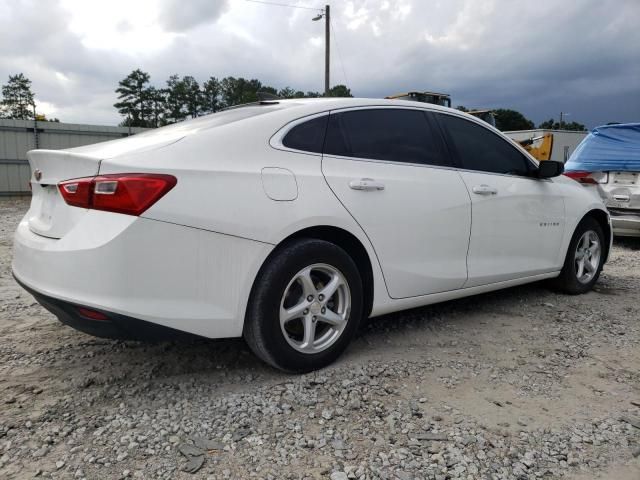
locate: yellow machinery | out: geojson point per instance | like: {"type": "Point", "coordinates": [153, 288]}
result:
{"type": "Point", "coordinates": [539, 147]}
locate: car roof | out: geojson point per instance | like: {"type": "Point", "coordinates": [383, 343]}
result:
{"type": "Point", "coordinates": [324, 103]}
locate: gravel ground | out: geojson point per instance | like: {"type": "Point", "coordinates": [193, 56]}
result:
{"type": "Point", "coordinates": [518, 384]}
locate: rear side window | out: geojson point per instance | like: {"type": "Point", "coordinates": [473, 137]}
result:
{"type": "Point", "coordinates": [307, 136]}
{"type": "Point", "coordinates": [397, 135]}
{"type": "Point", "coordinates": [480, 149]}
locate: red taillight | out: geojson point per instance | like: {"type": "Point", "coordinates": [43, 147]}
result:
{"type": "Point", "coordinates": [581, 177]}
{"type": "Point", "coordinates": [77, 193]}
{"type": "Point", "coordinates": [592, 178]}
{"type": "Point", "coordinates": [128, 193]}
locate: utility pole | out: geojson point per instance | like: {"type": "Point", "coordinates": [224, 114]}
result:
{"type": "Point", "coordinates": [326, 13]}
{"type": "Point", "coordinates": [562, 115]}
{"type": "Point", "coordinates": [327, 48]}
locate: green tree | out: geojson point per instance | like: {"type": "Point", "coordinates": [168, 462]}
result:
{"type": "Point", "coordinates": [287, 92]}
{"type": "Point", "coordinates": [155, 101]}
{"type": "Point", "coordinates": [462, 108]}
{"type": "Point", "coordinates": [268, 89]}
{"type": "Point", "coordinates": [236, 91]}
{"type": "Point", "coordinates": [192, 95]}
{"type": "Point", "coordinates": [211, 96]}
{"type": "Point", "coordinates": [183, 98]}
{"type": "Point", "coordinates": [574, 126]}
{"type": "Point", "coordinates": [174, 100]}
{"type": "Point", "coordinates": [340, 91]}
{"type": "Point", "coordinates": [133, 102]}
{"type": "Point", "coordinates": [507, 120]}
{"type": "Point", "coordinates": [551, 124]}
{"type": "Point", "coordinates": [17, 98]}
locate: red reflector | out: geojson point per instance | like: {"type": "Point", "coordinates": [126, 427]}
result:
{"type": "Point", "coordinates": [128, 193]}
{"type": "Point", "coordinates": [581, 177]}
{"type": "Point", "coordinates": [92, 314]}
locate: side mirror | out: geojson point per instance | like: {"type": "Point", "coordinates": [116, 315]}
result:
{"type": "Point", "coordinates": [550, 168]}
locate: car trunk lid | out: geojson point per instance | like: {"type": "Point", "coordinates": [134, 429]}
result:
{"type": "Point", "coordinates": [49, 215]}
{"type": "Point", "coordinates": [623, 190]}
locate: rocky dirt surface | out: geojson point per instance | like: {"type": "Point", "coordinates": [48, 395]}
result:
{"type": "Point", "coordinates": [518, 384]}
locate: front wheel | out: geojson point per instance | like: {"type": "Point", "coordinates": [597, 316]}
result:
{"type": "Point", "coordinates": [305, 306]}
{"type": "Point", "coordinates": [585, 259]}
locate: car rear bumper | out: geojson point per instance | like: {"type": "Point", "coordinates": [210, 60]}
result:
{"type": "Point", "coordinates": [112, 325]}
{"type": "Point", "coordinates": [625, 225]}
{"type": "Point", "coordinates": [140, 270]}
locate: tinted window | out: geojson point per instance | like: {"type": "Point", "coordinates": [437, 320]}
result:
{"type": "Point", "coordinates": [480, 149]}
{"type": "Point", "coordinates": [384, 134]}
{"type": "Point", "coordinates": [307, 136]}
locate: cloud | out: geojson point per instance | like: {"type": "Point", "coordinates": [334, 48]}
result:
{"type": "Point", "coordinates": [533, 57]}
{"type": "Point", "coordinates": [181, 15]}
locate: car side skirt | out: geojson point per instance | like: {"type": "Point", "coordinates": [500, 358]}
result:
{"type": "Point", "coordinates": [413, 302]}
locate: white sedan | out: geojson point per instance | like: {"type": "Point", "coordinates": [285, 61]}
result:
{"type": "Point", "coordinates": [288, 222]}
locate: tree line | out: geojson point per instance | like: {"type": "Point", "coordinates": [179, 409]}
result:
{"type": "Point", "coordinates": [508, 120]}
{"type": "Point", "coordinates": [144, 105]}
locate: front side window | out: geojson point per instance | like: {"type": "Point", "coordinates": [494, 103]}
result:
{"type": "Point", "coordinates": [307, 136]}
{"type": "Point", "coordinates": [397, 135]}
{"type": "Point", "coordinates": [480, 149]}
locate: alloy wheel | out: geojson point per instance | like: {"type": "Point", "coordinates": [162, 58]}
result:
{"type": "Point", "coordinates": [315, 308]}
{"type": "Point", "coordinates": [587, 256]}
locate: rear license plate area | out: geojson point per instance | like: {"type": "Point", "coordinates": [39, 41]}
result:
{"type": "Point", "coordinates": [47, 206]}
{"type": "Point", "coordinates": [625, 178]}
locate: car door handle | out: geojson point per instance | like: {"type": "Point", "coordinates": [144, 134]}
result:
{"type": "Point", "coordinates": [484, 190]}
{"type": "Point", "coordinates": [366, 184]}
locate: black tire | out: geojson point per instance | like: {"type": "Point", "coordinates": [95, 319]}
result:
{"type": "Point", "coordinates": [567, 281]}
{"type": "Point", "coordinates": [262, 330]}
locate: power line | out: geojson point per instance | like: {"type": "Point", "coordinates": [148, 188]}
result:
{"type": "Point", "coordinates": [277, 4]}
{"type": "Point", "coordinates": [335, 40]}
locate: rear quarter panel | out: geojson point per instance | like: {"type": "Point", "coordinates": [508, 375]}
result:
{"type": "Point", "coordinates": [220, 189]}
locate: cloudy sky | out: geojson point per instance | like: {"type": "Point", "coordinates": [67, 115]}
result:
{"type": "Point", "coordinates": [540, 57]}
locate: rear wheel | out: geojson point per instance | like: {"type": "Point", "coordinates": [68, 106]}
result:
{"type": "Point", "coordinates": [305, 306]}
{"type": "Point", "coordinates": [584, 260]}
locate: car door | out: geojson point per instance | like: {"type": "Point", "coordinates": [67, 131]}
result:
{"type": "Point", "coordinates": [518, 220]}
{"type": "Point", "coordinates": [388, 168]}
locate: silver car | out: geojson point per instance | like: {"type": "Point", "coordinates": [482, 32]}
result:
{"type": "Point", "coordinates": [608, 160]}
{"type": "Point", "coordinates": [621, 194]}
